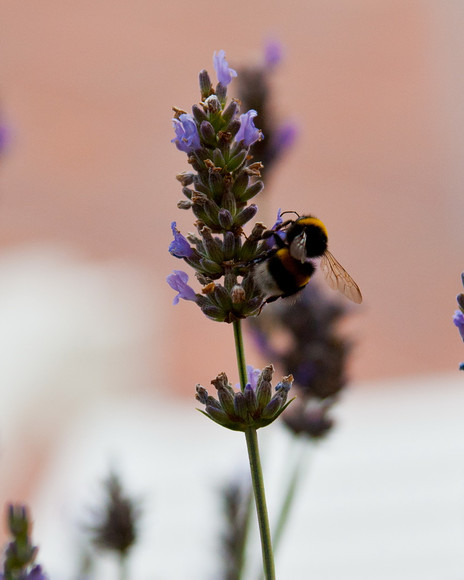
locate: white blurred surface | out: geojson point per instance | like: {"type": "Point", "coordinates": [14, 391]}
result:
{"type": "Point", "coordinates": [72, 332]}
{"type": "Point", "coordinates": [384, 497]}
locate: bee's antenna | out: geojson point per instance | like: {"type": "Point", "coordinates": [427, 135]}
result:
{"type": "Point", "coordinates": [290, 211]}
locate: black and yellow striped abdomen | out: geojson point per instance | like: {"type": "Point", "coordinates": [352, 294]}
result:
{"type": "Point", "coordinates": [289, 274]}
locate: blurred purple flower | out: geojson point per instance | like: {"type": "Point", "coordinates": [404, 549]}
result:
{"type": "Point", "coordinates": [221, 66]}
{"type": "Point", "coordinates": [248, 133]}
{"type": "Point", "coordinates": [178, 282]}
{"type": "Point", "coordinates": [179, 247]}
{"type": "Point", "coordinates": [284, 138]}
{"type": "Point", "coordinates": [458, 320]}
{"type": "Point", "coordinates": [4, 138]}
{"type": "Point", "coordinates": [187, 138]}
{"type": "Point", "coordinates": [36, 574]}
{"type": "Point", "coordinates": [272, 53]}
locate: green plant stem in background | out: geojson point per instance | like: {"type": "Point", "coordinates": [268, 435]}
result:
{"type": "Point", "coordinates": [255, 467]}
{"type": "Point", "coordinates": [297, 473]}
{"type": "Point", "coordinates": [123, 567]}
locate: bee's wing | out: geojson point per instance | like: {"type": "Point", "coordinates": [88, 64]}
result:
{"type": "Point", "coordinates": [339, 279]}
{"type": "Point", "coordinates": [298, 248]}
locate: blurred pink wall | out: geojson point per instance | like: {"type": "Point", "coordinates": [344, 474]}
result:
{"type": "Point", "coordinates": [376, 87]}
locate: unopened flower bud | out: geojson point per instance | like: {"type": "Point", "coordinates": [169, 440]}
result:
{"type": "Point", "coordinates": [251, 191]}
{"type": "Point", "coordinates": [226, 398]}
{"type": "Point", "coordinates": [240, 406]}
{"type": "Point", "coordinates": [185, 177]}
{"type": "Point", "coordinates": [230, 112]}
{"type": "Point", "coordinates": [240, 184]}
{"type": "Point", "coordinates": [250, 397]}
{"type": "Point", "coordinates": [218, 158]}
{"type": "Point", "coordinates": [207, 133]}
{"type": "Point", "coordinates": [199, 114]}
{"type": "Point", "coordinates": [245, 215]}
{"type": "Point", "coordinates": [225, 219]}
{"type": "Point", "coordinates": [206, 88]}
{"type": "Point", "coordinates": [237, 160]}
{"type": "Point", "coordinates": [228, 245]}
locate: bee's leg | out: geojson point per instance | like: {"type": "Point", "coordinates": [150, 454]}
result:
{"type": "Point", "coordinates": [279, 241]}
{"type": "Point", "coordinates": [267, 301]}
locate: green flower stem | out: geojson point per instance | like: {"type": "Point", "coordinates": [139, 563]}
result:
{"type": "Point", "coordinates": [255, 467]}
{"type": "Point", "coordinates": [260, 500]}
{"type": "Point", "coordinates": [240, 354]}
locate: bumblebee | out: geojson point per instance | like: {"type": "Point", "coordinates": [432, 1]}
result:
{"type": "Point", "coordinates": [288, 267]}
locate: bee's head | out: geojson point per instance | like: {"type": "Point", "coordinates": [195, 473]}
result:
{"type": "Point", "coordinates": [307, 233]}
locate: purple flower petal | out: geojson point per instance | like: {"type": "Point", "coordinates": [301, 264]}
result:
{"type": "Point", "coordinates": [178, 282]}
{"type": "Point", "coordinates": [187, 138]}
{"type": "Point", "coordinates": [248, 133]}
{"type": "Point", "coordinates": [458, 320]}
{"type": "Point", "coordinates": [279, 220]}
{"type": "Point", "coordinates": [221, 66]}
{"type": "Point", "coordinates": [253, 375]}
{"type": "Point", "coordinates": [179, 247]}
{"type": "Point", "coordinates": [270, 242]}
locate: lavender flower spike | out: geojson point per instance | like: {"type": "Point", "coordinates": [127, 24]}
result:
{"type": "Point", "coordinates": [458, 320]}
{"type": "Point", "coordinates": [178, 282]}
{"type": "Point", "coordinates": [179, 247]}
{"type": "Point", "coordinates": [221, 66]}
{"type": "Point", "coordinates": [187, 138]}
{"type": "Point", "coordinates": [248, 133]}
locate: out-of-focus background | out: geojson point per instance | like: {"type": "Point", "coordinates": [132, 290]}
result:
{"type": "Point", "coordinates": [88, 191]}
